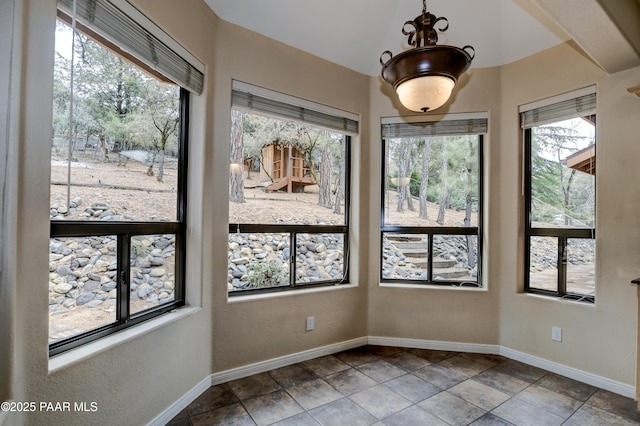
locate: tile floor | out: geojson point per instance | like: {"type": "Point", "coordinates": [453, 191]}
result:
{"type": "Point", "coordinates": [380, 385]}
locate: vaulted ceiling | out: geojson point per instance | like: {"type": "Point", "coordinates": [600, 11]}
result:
{"type": "Point", "coordinates": [354, 33]}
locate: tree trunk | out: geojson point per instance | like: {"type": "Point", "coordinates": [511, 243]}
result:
{"type": "Point", "coordinates": [471, 250]}
{"type": "Point", "coordinates": [324, 198]}
{"type": "Point", "coordinates": [444, 192]}
{"type": "Point", "coordinates": [444, 201]}
{"type": "Point", "coordinates": [566, 191]}
{"type": "Point", "coordinates": [424, 181]}
{"type": "Point", "coordinates": [409, 197]}
{"type": "Point", "coordinates": [160, 175]}
{"type": "Point", "coordinates": [404, 176]}
{"type": "Point", "coordinates": [340, 185]}
{"type": "Point", "coordinates": [467, 211]}
{"type": "Point", "coordinates": [236, 177]}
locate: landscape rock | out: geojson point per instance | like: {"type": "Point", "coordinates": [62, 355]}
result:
{"type": "Point", "coordinates": [157, 272]}
{"type": "Point", "coordinates": [62, 288]}
{"type": "Point", "coordinates": [84, 298]}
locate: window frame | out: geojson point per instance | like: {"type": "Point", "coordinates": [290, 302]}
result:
{"type": "Point", "coordinates": [577, 103]}
{"type": "Point", "coordinates": [434, 231]}
{"type": "Point", "coordinates": [293, 230]}
{"type": "Point", "coordinates": [124, 232]}
{"type": "Point", "coordinates": [562, 234]}
{"type": "Point", "coordinates": [248, 98]}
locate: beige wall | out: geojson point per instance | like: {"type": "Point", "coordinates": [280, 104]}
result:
{"type": "Point", "coordinates": [448, 314]}
{"type": "Point", "coordinates": [599, 339]}
{"type": "Point", "coordinates": [246, 331]}
{"type": "Point", "coordinates": [7, 215]}
{"type": "Point", "coordinates": [137, 380]}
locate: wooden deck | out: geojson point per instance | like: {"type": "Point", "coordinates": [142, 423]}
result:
{"type": "Point", "coordinates": [292, 183]}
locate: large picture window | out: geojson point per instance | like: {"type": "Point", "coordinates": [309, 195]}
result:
{"type": "Point", "coordinates": [432, 201]}
{"type": "Point", "coordinates": [118, 178]}
{"type": "Point", "coordinates": [560, 167]}
{"type": "Point", "coordinates": [289, 192]}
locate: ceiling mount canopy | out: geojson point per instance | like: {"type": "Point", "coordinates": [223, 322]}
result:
{"type": "Point", "coordinates": [424, 76]}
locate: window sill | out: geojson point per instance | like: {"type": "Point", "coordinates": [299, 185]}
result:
{"type": "Point", "coordinates": [555, 299]}
{"type": "Point", "coordinates": [277, 294]}
{"type": "Point", "coordinates": [433, 287]}
{"type": "Point", "coordinates": [83, 352]}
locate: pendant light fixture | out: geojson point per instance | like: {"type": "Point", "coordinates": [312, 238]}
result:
{"type": "Point", "coordinates": [424, 76]}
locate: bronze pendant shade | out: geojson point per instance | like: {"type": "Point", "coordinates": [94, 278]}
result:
{"type": "Point", "coordinates": [424, 76]}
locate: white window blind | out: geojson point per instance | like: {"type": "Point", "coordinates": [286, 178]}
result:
{"type": "Point", "coordinates": [259, 100]}
{"type": "Point", "coordinates": [448, 125]}
{"type": "Point", "coordinates": [149, 45]}
{"type": "Point", "coordinates": [580, 103]}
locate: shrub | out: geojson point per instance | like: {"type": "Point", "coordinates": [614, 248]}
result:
{"type": "Point", "coordinates": [265, 274]}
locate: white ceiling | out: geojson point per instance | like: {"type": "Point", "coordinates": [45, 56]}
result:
{"type": "Point", "coordinates": [354, 33]}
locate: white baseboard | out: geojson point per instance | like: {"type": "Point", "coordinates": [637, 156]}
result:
{"type": "Point", "coordinates": [283, 361]}
{"type": "Point", "coordinates": [249, 370]}
{"type": "Point", "coordinates": [437, 345]}
{"type": "Point", "coordinates": [260, 367]}
{"type": "Point", "coordinates": [573, 373]}
{"type": "Point", "coordinates": [182, 403]}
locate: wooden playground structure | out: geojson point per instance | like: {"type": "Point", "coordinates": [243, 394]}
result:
{"type": "Point", "coordinates": [286, 168]}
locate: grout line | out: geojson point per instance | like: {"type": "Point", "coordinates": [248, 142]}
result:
{"type": "Point", "coordinates": [408, 371]}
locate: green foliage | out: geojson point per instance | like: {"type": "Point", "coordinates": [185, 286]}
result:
{"type": "Point", "coordinates": [414, 183]}
{"type": "Point", "coordinates": [560, 194]}
{"type": "Point", "coordinates": [462, 162]}
{"type": "Point", "coordinates": [138, 249]}
{"type": "Point", "coordinates": [545, 188]}
{"type": "Point", "coordinates": [154, 123]}
{"type": "Point", "coordinates": [260, 131]}
{"type": "Point", "coordinates": [265, 274]}
{"type": "Point", "coordinates": [113, 99]}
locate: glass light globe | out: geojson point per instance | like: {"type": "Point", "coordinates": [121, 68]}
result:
{"type": "Point", "coordinates": [424, 94]}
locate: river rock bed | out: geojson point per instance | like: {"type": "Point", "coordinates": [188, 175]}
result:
{"type": "Point", "coordinates": [83, 271]}
{"type": "Point", "coordinates": [544, 253]}
{"type": "Point", "coordinates": [254, 259]}
{"type": "Point", "coordinates": [97, 211]}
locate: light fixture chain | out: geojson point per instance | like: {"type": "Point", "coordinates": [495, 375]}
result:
{"type": "Point", "coordinates": [424, 6]}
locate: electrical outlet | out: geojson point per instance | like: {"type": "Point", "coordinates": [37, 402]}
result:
{"type": "Point", "coordinates": [556, 334]}
{"type": "Point", "coordinates": [311, 323]}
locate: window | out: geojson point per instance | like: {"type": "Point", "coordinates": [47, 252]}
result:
{"type": "Point", "coordinates": [559, 183]}
{"type": "Point", "coordinates": [118, 174]}
{"type": "Point", "coordinates": [288, 192]}
{"type": "Point", "coordinates": [431, 225]}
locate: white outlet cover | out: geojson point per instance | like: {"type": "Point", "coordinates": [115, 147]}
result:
{"type": "Point", "coordinates": [556, 334]}
{"type": "Point", "coordinates": [310, 323]}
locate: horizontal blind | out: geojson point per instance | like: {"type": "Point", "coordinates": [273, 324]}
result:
{"type": "Point", "coordinates": [251, 102]}
{"type": "Point", "coordinates": [469, 126]}
{"type": "Point", "coordinates": [580, 106]}
{"type": "Point", "coordinates": [110, 22]}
